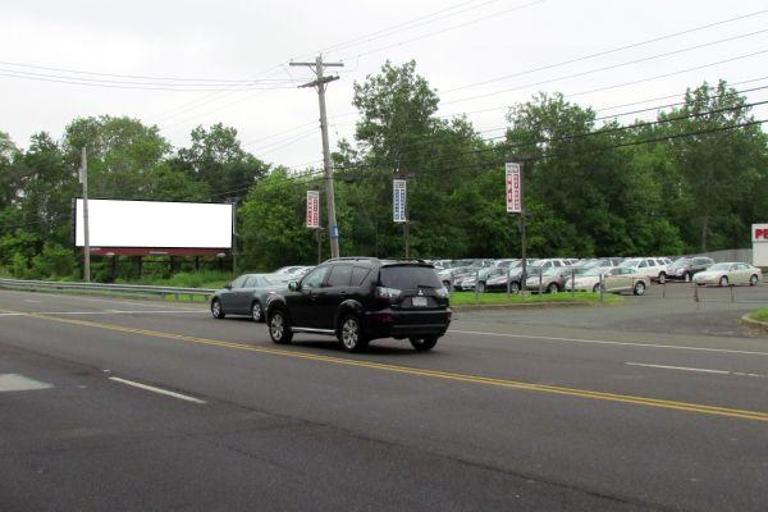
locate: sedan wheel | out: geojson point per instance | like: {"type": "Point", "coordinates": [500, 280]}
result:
{"type": "Point", "coordinates": [639, 288]}
{"type": "Point", "coordinates": [662, 278]}
{"type": "Point", "coordinates": [481, 287]}
{"type": "Point", "coordinates": [687, 277]}
{"type": "Point", "coordinates": [256, 312]}
{"type": "Point", "coordinates": [753, 280]}
{"type": "Point", "coordinates": [596, 288]}
{"type": "Point", "coordinates": [514, 287]}
{"type": "Point", "coordinates": [216, 310]}
{"type": "Point", "coordinates": [723, 282]}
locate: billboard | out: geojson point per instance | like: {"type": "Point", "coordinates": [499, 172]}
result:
{"type": "Point", "coordinates": [399, 199]}
{"type": "Point", "coordinates": [313, 209]}
{"type": "Point", "coordinates": [514, 198]}
{"type": "Point", "coordinates": [155, 227]}
{"type": "Point", "coordinates": [760, 245]}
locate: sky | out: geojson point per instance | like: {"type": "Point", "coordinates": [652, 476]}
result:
{"type": "Point", "coordinates": [180, 64]}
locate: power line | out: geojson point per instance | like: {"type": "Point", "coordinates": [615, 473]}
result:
{"type": "Point", "coordinates": [607, 52]}
{"type": "Point", "coordinates": [453, 27]}
{"type": "Point", "coordinates": [136, 77]}
{"type": "Point", "coordinates": [608, 68]}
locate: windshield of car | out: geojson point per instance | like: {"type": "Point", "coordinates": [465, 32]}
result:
{"type": "Point", "coordinates": [408, 277]}
{"type": "Point", "coordinates": [720, 266]}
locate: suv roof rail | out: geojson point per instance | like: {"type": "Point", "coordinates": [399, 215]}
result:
{"type": "Point", "coordinates": [353, 258]}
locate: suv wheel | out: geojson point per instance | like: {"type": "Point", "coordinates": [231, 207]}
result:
{"type": "Point", "coordinates": [514, 287]}
{"type": "Point", "coordinates": [216, 311]}
{"type": "Point", "coordinates": [662, 278]}
{"type": "Point", "coordinates": [351, 334]}
{"type": "Point", "coordinates": [280, 328]}
{"type": "Point", "coordinates": [423, 344]}
{"type": "Point", "coordinates": [639, 288]}
{"type": "Point", "coordinates": [596, 288]}
{"type": "Point", "coordinates": [753, 280]}
{"type": "Point", "coordinates": [553, 288]}
{"type": "Point", "coordinates": [687, 277]}
{"type": "Point", "coordinates": [256, 312]}
{"type": "Point", "coordinates": [481, 287]}
{"type": "Point", "coordinates": [448, 286]}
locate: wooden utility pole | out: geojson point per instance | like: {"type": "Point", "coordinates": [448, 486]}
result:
{"type": "Point", "coordinates": [320, 83]}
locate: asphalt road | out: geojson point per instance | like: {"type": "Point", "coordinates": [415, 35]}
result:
{"type": "Point", "coordinates": [138, 405]}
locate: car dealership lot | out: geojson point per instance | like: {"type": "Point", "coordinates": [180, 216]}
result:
{"type": "Point", "coordinates": [658, 403]}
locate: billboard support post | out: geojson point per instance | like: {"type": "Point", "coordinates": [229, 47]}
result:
{"type": "Point", "coordinates": [86, 234]}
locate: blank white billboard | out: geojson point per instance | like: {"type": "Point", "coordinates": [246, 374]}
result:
{"type": "Point", "coordinates": [115, 223]}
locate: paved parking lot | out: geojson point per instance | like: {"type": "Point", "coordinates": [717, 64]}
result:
{"type": "Point", "coordinates": [656, 404]}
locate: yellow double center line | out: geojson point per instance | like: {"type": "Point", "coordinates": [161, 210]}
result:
{"type": "Point", "coordinates": [435, 374]}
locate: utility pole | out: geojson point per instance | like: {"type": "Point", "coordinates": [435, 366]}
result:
{"type": "Point", "coordinates": [321, 81]}
{"type": "Point", "coordinates": [524, 278]}
{"type": "Point", "coordinates": [86, 233]}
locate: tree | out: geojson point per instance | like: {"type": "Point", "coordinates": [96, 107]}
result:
{"type": "Point", "coordinates": [217, 159]}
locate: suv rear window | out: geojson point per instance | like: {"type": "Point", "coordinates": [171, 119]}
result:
{"type": "Point", "coordinates": [405, 277]}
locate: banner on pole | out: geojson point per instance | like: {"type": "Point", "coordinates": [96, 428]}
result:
{"type": "Point", "coordinates": [399, 200]}
{"type": "Point", "coordinates": [514, 198]}
{"type": "Point", "coordinates": [313, 209]}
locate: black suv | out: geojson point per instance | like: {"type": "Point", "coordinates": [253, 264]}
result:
{"type": "Point", "coordinates": [361, 299]}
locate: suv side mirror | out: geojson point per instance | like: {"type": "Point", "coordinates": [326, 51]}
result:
{"type": "Point", "coordinates": [294, 286]}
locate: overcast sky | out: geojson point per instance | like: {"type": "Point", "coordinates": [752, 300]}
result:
{"type": "Point", "coordinates": [456, 44]}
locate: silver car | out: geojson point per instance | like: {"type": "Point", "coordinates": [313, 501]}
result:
{"type": "Point", "coordinates": [729, 274]}
{"type": "Point", "coordinates": [247, 295]}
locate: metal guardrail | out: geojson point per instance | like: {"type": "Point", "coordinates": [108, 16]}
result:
{"type": "Point", "coordinates": [33, 285]}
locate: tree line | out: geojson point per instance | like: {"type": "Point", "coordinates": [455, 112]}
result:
{"type": "Point", "coordinates": [691, 180]}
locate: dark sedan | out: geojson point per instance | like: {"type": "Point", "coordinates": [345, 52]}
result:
{"type": "Point", "coordinates": [246, 295]}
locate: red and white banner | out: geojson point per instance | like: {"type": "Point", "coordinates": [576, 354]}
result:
{"type": "Point", "coordinates": [313, 209]}
{"type": "Point", "coordinates": [514, 198]}
{"type": "Point", "coordinates": [759, 233]}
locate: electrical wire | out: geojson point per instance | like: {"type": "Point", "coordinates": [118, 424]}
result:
{"type": "Point", "coordinates": [611, 67]}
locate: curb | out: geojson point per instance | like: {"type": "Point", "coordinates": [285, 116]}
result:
{"type": "Point", "coordinates": [523, 305]}
{"type": "Point", "coordinates": [746, 319]}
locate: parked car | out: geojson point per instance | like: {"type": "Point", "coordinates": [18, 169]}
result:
{"type": "Point", "coordinates": [729, 274]}
{"type": "Point", "coordinates": [362, 299]}
{"type": "Point", "coordinates": [615, 280]}
{"type": "Point", "coordinates": [685, 268]}
{"type": "Point", "coordinates": [497, 280]}
{"type": "Point", "coordinates": [654, 269]}
{"type": "Point", "coordinates": [549, 280]}
{"type": "Point", "coordinates": [246, 295]}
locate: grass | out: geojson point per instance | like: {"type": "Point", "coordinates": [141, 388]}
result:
{"type": "Point", "coordinates": [202, 279]}
{"type": "Point", "coordinates": [469, 298]}
{"type": "Point", "coordinates": [760, 314]}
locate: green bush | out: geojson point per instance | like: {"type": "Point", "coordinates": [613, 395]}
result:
{"type": "Point", "coordinates": [54, 261]}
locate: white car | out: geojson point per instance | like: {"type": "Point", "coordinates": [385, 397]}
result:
{"type": "Point", "coordinates": [654, 269]}
{"type": "Point", "coordinates": [729, 274]}
{"type": "Point", "coordinates": [615, 280]}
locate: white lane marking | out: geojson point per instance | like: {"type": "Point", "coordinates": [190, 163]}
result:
{"type": "Point", "coordinates": [16, 382]}
{"type": "Point", "coordinates": [124, 312]}
{"type": "Point", "coordinates": [12, 314]}
{"type": "Point", "coordinates": [700, 370]}
{"type": "Point", "coordinates": [609, 342]}
{"type": "Point", "coordinates": [159, 391]}
{"type": "Point", "coordinates": [33, 301]}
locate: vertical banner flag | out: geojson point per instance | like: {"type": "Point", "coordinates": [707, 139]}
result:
{"type": "Point", "coordinates": [313, 209]}
{"type": "Point", "coordinates": [398, 200]}
{"type": "Point", "coordinates": [514, 200]}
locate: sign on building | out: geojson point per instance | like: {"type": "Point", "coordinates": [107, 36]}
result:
{"type": "Point", "coordinates": [760, 245]}
{"type": "Point", "coordinates": [399, 200]}
{"type": "Point", "coordinates": [313, 209]}
{"type": "Point", "coordinates": [514, 197]}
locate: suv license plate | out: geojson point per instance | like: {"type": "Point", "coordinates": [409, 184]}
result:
{"type": "Point", "coordinates": [419, 302]}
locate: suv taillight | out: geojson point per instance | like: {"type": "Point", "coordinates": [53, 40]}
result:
{"type": "Point", "coordinates": [383, 292]}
